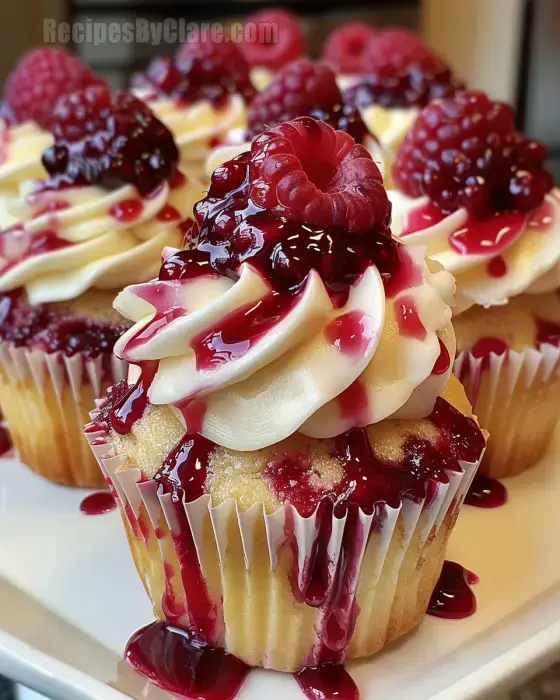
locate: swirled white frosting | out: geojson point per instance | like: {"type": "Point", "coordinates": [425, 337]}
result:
{"type": "Point", "coordinates": [21, 148]}
{"type": "Point", "coordinates": [95, 246]}
{"type": "Point", "coordinates": [298, 375]}
{"type": "Point", "coordinates": [530, 260]}
{"type": "Point", "coordinates": [197, 126]}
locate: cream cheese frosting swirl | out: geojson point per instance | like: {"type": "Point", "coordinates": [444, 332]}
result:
{"type": "Point", "coordinates": [513, 253]}
{"type": "Point", "coordinates": [21, 148]}
{"type": "Point", "coordinates": [315, 367]}
{"type": "Point", "coordinates": [59, 243]}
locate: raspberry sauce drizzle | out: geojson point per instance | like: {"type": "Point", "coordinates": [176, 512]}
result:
{"type": "Point", "coordinates": [184, 665]}
{"type": "Point", "coordinates": [131, 408]}
{"type": "Point", "coordinates": [488, 236]}
{"type": "Point", "coordinates": [548, 332]}
{"type": "Point", "coordinates": [98, 503]}
{"type": "Point", "coordinates": [452, 597]}
{"type": "Point", "coordinates": [486, 492]}
{"type": "Point", "coordinates": [236, 334]}
{"type": "Point", "coordinates": [326, 682]}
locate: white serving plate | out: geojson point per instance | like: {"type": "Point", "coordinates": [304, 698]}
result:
{"type": "Point", "coordinates": [70, 598]}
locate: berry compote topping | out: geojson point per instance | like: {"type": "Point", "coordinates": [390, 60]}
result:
{"type": "Point", "coordinates": [44, 328]}
{"type": "Point", "coordinates": [304, 89]}
{"type": "Point", "coordinates": [40, 78]}
{"type": "Point", "coordinates": [368, 480]}
{"type": "Point", "coordinates": [464, 151]}
{"type": "Point", "coordinates": [279, 38]}
{"type": "Point", "coordinates": [202, 70]}
{"type": "Point", "coordinates": [452, 597]}
{"type": "Point", "coordinates": [401, 72]}
{"type": "Point", "coordinates": [108, 139]}
{"type": "Point", "coordinates": [305, 197]}
{"type": "Point", "coordinates": [346, 47]}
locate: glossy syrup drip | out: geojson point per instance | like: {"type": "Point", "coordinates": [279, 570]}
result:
{"type": "Point", "coordinates": [548, 332]}
{"type": "Point", "coordinates": [443, 362]}
{"type": "Point", "coordinates": [184, 471]}
{"type": "Point", "coordinates": [236, 334]}
{"type": "Point", "coordinates": [98, 503]}
{"type": "Point", "coordinates": [421, 218]}
{"type": "Point", "coordinates": [127, 211]}
{"type": "Point", "coordinates": [488, 236]}
{"type": "Point", "coordinates": [5, 441]}
{"type": "Point", "coordinates": [486, 492]}
{"type": "Point", "coordinates": [184, 665]}
{"type": "Point", "coordinates": [16, 245]}
{"type": "Point", "coordinates": [131, 408]}
{"type": "Point", "coordinates": [408, 320]}
{"type": "Point", "coordinates": [497, 267]}
{"type": "Point", "coordinates": [452, 597]}
{"type": "Point", "coordinates": [350, 333]}
{"type": "Point", "coordinates": [485, 347]}
{"type": "Point", "coordinates": [327, 682]}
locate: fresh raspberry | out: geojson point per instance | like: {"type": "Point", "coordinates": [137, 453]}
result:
{"type": "Point", "coordinates": [303, 89]}
{"type": "Point", "coordinates": [464, 151]}
{"type": "Point", "coordinates": [202, 70]}
{"type": "Point", "coordinates": [109, 140]}
{"type": "Point", "coordinates": [307, 171]}
{"type": "Point", "coordinates": [305, 197]}
{"type": "Point", "coordinates": [279, 39]}
{"type": "Point", "coordinates": [345, 47]}
{"type": "Point", "coordinates": [401, 72]}
{"type": "Point", "coordinates": [40, 78]}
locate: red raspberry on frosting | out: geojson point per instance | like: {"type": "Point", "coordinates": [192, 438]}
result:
{"type": "Point", "coordinates": [109, 140]}
{"type": "Point", "coordinates": [307, 171]}
{"type": "Point", "coordinates": [464, 151]}
{"type": "Point", "coordinates": [40, 78]}
{"type": "Point", "coordinates": [401, 71]}
{"type": "Point", "coordinates": [347, 45]}
{"type": "Point", "coordinates": [279, 39]}
{"type": "Point", "coordinates": [302, 89]}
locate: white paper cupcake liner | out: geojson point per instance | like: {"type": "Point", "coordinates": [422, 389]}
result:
{"type": "Point", "coordinates": [515, 397]}
{"type": "Point", "coordinates": [242, 557]}
{"type": "Point", "coordinates": [45, 399]}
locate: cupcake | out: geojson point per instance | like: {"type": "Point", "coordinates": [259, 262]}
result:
{"type": "Point", "coordinates": [271, 39]}
{"type": "Point", "coordinates": [399, 75]}
{"type": "Point", "coordinates": [112, 200]}
{"type": "Point", "coordinates": [474, 191]}
{"type": "Point", "coordinates": [31, 90]}
{"type": "Point", "coordinates": [291, 460]}
{"type": "Point", "coordinates": [302, 88]}
{"type": "Point", "coordinates": [200, 95]}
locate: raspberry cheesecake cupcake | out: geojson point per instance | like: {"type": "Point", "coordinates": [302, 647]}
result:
{"type": "Point", "coordinates": [30, 93]}
{"type": "Point", "coordinates": [475, 192]}
{"type": "Point", "coordinates": [113, 198]}
{"type": "Point", "coordinates": [302, 88]}
{"type": "Point", "coordinates": [272, 38]}
{"type": "Point", "coordinates": [399, 75]}
{"type": "Point", "coordinates": [200, 95]}
{"type": "Point", "coordinates": [293, 455]}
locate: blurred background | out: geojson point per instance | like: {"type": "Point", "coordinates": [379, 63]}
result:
{"type": "Point", "coordinates": [510, 48]}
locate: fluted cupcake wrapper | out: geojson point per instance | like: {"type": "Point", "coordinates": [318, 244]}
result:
{"type": "Point", "coordinates": [515, 397]}
{"type": "Point", "coordinates": [45, 398]}
{"type": "Point", "coordinates": [272, 587]}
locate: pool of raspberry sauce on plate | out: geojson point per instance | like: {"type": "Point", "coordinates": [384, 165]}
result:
{"type": "Point", "coordinates": [98, 503]}
{"type": "Point", "coordinates": [453, 597]}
